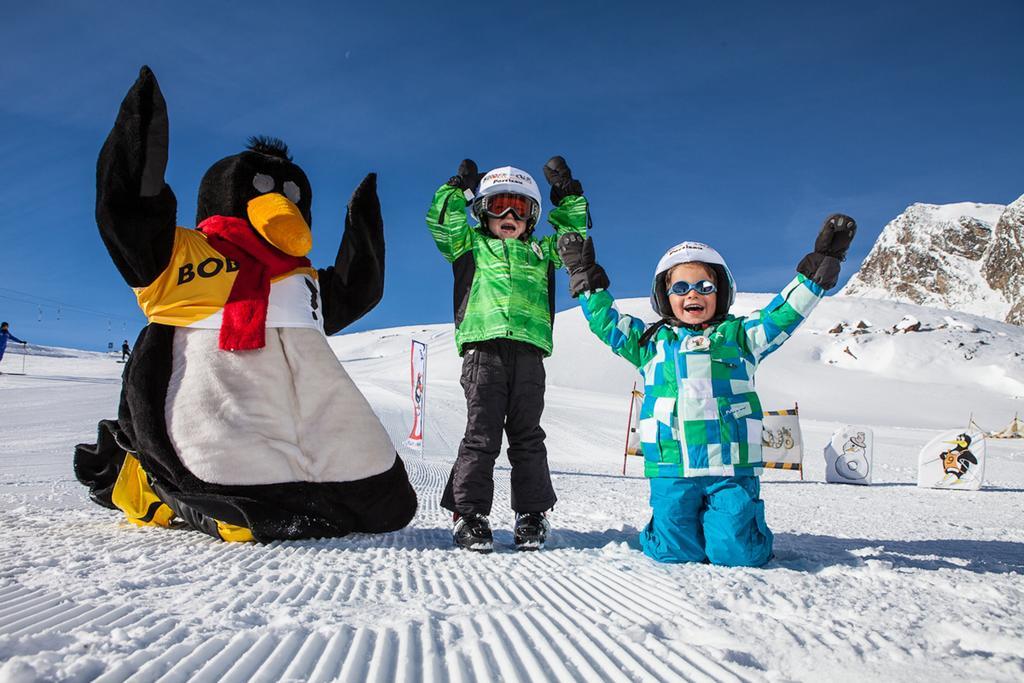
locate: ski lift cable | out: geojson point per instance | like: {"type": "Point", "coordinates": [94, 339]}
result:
{"type": "Point", "coordinates": [34, 300]}
{"type": "Point", "coordinates": [61, 308]}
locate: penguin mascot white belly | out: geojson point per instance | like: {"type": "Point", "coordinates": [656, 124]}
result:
{"type": "Point", "coordinates": [236, 418]}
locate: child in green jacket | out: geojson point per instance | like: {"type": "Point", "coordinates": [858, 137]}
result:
{"type": "Point", "coordinates": [700, 422]}
{"type": "Point", "coordinates": [504, 308]}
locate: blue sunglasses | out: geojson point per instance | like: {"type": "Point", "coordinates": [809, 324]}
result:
{"type": "Point", "coordinates": [681, 287]}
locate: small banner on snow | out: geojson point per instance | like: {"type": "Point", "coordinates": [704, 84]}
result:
{"type": "Point", "coordinates": [848, 456]}
{"type": "Point", "coordinates": [418, 377]}
{"type": "Point", "coordinates": [953, 460]}
{"type": "Point", "coordinates": [781, 442]}
{"type": "Point", "coordinates": [633, 427]}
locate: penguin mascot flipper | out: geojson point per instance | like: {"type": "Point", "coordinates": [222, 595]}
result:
{"type": "Point", "coordinates": [136, 216]}
{"type": "Point", "coordinates": [355, 283]}
{"type": "Point", "coordinates": [235, 416]}
{"type": "Point", "coordinates": [135, 209]}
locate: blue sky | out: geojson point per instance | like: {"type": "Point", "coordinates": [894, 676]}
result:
{"type": "Point", "coordinates": [742, 125]}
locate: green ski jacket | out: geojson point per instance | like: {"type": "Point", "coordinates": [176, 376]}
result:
{"type": "Point", "coordinates": [503, 288]}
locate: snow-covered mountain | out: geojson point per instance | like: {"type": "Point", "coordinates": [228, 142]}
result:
{"type": "Point", "coordinates": [964, 257]}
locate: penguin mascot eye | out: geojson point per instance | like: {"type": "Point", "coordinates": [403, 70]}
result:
{"type": "Point", "coordinates": [292, 191]}
{"type": "Point", "coordinates": [264, 183]}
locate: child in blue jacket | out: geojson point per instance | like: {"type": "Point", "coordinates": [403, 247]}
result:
{"type": "Point", "coordinates": [700, 422]}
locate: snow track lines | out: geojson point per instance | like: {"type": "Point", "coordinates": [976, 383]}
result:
{"type": "Point", "coordinates": [394, 607]}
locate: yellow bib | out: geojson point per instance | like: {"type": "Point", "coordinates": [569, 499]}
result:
{"type": "Point", "coordinates": [192, 290]}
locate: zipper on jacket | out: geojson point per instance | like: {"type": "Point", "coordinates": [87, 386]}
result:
{"type": "Point", "coordinates": [684, 462]}
{"type": "Point", "coordinates": [725, 363]}
{"type": "Point", "coordinates": [511, 281]}
{"type": "Point", "coordinates": [444, 209]}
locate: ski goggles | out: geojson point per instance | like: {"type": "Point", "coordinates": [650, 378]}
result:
{"type": "Point", "coordinates": [681, 287]}
{"type": "Point", "coordinates": [498, 205]}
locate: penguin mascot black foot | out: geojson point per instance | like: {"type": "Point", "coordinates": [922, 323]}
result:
{"type": "Point", "coordinates": [236, 418]}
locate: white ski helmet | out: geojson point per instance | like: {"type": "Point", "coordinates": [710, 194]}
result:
{"type": "Point", "coordinates": [689, 252]}
{"type": "Point", "coordinates": [507, 179]}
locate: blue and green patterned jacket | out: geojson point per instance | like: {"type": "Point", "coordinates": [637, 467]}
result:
{"type": "Point", "coordinates": [700, 415]}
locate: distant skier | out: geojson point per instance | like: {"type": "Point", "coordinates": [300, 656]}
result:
{"type": "Point", "coordinates": [700, 422]}
{"type": "Point", "coordinates": [5, 334]}
{"type": "Point", "coordinates": [504, 307]}
{"type": "Point", "coordinates": [125, 351]}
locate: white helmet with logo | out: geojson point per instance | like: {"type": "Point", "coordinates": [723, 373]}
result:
{"type": "Point", "coordinates": [508, 179]}
{"type": "Point", "coordinates": [689, 252]}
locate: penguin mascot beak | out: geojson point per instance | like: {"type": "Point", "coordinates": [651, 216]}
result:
{"type": "Point", "coordinates": [280, 222]}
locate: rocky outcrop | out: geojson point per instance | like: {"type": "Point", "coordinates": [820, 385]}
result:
{"type": "Point", "coordinates": [1003, 265]}
{"type": "Point", "coordinates": [963, 257]}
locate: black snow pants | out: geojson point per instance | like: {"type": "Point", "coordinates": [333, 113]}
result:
{"type": "Point", "coordinates": [504, 384]}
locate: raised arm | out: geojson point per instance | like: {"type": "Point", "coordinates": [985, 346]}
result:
{"type": "Point", "coordinates": [765, 330]}
{"type": "Point", "coordinates": [588, 281]}
{"type": "Point", "coordinates": [818, 271]}
{"type": "Point", "coordinates": [355, 283]}
{"type": "Point", "coordinates": [135, 208]}
{"type": "Point", "coordinates": [622, 333]}
{"type": "Point", "coordinates": [571, 212]}
{"type": "Point", "coordinates": [446, 217]}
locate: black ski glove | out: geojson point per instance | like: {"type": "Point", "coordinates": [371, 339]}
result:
{"type": "Point", "coordinates": [585, 275]}
{"type": "Point", "coordinates": [823, 264]}
{"type": "Point", "coordinates": [560, 177]}
{"type": "Point", "coordinates": [467, 178]}
{"type": "Point", "coordinates": [835, 236]}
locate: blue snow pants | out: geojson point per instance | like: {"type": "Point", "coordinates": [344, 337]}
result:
{"type": "Point", "coordinates": [714, 519]}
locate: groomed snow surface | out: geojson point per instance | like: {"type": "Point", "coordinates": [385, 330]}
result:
{"type": "Point", "coordinates": [888, 582]}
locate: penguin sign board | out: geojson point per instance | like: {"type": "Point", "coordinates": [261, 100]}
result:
{"type": "Point", "coordinates": [848, 456]}
{"type": "Point", "coordinates": [235, 415]}
{"type": "Point", "coordinates": [953, 460]}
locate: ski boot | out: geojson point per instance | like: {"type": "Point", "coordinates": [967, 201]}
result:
{"type": "Point", "coordinates": [473, 532]}
{"type": "Point", "coordinates": [531, 530]}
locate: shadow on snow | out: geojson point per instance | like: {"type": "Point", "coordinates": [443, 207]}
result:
{"type": "Point", "coordinates": [811, 552]}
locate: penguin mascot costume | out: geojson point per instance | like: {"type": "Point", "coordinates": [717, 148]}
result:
{"type": "Point", "coordinates": [236, 418]}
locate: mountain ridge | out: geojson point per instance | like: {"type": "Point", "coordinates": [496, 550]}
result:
{"type": "Point", "coordinates": [966, 257]}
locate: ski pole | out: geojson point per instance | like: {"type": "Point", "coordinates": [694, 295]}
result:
{"type": "Point", "coordinates": [24, 352]}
